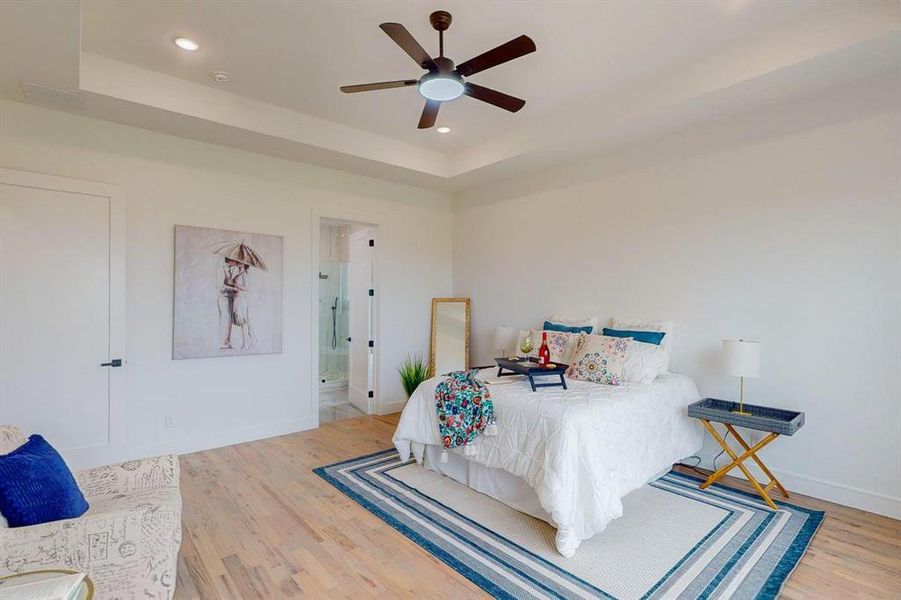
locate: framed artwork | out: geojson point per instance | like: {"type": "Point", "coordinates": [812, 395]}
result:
{"type": "Point", "coordinates": [228, 293]}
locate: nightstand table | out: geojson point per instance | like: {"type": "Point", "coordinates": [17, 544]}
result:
{"type": "Point", "coordinates": [775, 421]}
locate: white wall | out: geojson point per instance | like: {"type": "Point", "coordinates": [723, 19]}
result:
{"type": "Point", "coordinates": [169, 181]}
{"type": "Point", "coordinates": [792, 240]}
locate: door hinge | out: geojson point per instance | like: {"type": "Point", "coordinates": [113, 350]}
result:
{"type": "Point", "coordinates": [372, 343]}
{"type": "Point", "coordinates": [371, 243]}
{"type": "Point", "coordinates": [116, 362]}
{"type": "Point", "coordinates": [371, 394]}
{"type": "Point", "coordinates": [371, 292]}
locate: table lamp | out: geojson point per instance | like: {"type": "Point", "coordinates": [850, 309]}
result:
{"type": "Point", "coordinates": [742, 359]}
{"type": "Point", "coordinates": [504, 338]}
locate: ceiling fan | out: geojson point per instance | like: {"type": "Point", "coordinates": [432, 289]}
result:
{"type": "Point", "coordinates": [443, 82]}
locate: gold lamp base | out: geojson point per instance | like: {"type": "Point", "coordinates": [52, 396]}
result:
{"type": "Point", "coordinates": [741, 400]}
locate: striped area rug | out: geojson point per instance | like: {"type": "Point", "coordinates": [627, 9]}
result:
{"type": "Point", "coordinates": [673, 541]}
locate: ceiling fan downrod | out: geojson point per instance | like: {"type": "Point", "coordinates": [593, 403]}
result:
{"type": "Point", "coordinates": [441, 21]}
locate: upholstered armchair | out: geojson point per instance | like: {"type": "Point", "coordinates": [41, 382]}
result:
{"type": "Point", "coordinates": [128, 540]}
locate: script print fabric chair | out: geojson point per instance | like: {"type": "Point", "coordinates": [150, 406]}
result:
{"type": "Point", "coordinates": [128, 540]}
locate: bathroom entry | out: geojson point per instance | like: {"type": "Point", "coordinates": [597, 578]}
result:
{"type": "Point", "coordinates": [345, 320]}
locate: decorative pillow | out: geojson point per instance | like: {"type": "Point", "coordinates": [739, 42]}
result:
{"type": "Point", "coordinates": [561, 344]}
{"type": "Point", "coordinates": [589, 322]}
{"type": "Point", "coordinates": [666, 327]}
{"type": "Point", "coordinates": [644, 362]}
{"type": "Point", "coordinates": [548, 326]}
{"type": "Point", "coordinates": [36, 486]}
{"type": "Point", "coordinates": [647, 337]}
{"type": "Point", "coordinates": [600, 359]}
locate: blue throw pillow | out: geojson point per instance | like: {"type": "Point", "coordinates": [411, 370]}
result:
{"type": "Point", "coordinates": [566, 328]}
{"type": "Point", "coordinates": [36, 486]}
{"type": "Point", "coordinates": [648, 337]}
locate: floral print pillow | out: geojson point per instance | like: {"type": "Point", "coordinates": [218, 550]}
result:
{"type": "Point", "coordinates": [600, 359]}
{"type": "Point", "coordinates": [561, 344]}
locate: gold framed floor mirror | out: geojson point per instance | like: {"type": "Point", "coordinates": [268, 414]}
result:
{"type": "Point", "coordinates": [449, 349]}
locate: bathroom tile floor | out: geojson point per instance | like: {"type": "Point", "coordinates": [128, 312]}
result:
{"type": "Point", "coordinates": [334, 405]}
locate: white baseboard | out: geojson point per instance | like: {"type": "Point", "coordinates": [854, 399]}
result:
{"type": "Point", "coordinates": [102, 455]}
{"type": "Point", "coordinates": [218, 439]}
{"type": "Point", "coordinates": [391, 407]}
{"type": "Point", "coordinates": [874, 502]}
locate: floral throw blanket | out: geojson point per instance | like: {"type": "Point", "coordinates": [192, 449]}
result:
{"type": "Point", "coordinates": [465, 410]}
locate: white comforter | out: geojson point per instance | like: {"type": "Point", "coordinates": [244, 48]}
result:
{"type": "Point", "coordinates": [581, 450]}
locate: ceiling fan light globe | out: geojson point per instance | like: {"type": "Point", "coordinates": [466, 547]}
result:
{"type": "Point", "coordinates": [441, 87]}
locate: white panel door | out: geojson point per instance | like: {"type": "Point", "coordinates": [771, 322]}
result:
{"type": "Point", "coordinates": [56, 310]}
{"type": "Point", "coordinates": [360, 320]}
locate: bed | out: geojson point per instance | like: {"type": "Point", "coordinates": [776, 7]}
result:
{"type": "Point", "coordinates": [567, 457]}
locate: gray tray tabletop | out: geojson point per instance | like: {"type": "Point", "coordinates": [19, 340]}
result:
{"type": "Point", "coordinates": [762, 418]}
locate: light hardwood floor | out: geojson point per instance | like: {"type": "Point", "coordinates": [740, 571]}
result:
{"type": "Point", "coordinates": [258, 523]}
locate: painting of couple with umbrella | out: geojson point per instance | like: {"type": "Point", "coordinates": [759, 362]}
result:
{"type": "Point", "coordinates": [228, 293]}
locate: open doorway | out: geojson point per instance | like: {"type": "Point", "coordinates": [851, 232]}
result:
{"type": "Point", "coordinates": [345, 318]}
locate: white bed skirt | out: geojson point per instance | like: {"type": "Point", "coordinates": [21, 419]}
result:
{"type": "Point", "coordinates": [497, 483]}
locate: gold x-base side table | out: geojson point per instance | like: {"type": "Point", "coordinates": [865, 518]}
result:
{"type": "Point", "coordinates": [774, 421]}
{"type": "Point", "coordinates": [739, 459]}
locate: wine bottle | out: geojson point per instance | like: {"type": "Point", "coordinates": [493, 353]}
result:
{"type": "Point", "coordinates": [544, 353]}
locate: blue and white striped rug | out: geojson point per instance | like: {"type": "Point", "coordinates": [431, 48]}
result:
{"type": "Point", "coordinates": [673, 541]}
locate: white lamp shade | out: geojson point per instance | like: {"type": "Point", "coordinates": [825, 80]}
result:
{"type": "Point", "coordinates": [504, 337]}
{"type": "Point", "coordinates": [741, 358]}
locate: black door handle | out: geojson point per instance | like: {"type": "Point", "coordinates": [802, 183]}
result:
{"type": "Point", "coordinates": [116, 362]}
{"type": "Point", "coordinates": [348, 339]}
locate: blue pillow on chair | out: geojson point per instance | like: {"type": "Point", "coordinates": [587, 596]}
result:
{"type": "Point", "coordinates": [37, 487]}
{"type": "Point", "coordinates": [648, 337]}
{"type": "Point", "coordinates": [549, 326]}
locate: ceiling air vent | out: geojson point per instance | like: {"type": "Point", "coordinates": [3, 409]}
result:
{"type": "Point", "coordinates": [53, 97]}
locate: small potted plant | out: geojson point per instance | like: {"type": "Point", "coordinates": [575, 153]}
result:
{"type": "Point", "coordinates": [413, 371]}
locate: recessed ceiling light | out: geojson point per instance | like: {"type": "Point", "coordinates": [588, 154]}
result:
{"type": "Point", "coordinates": [186, 44]}
{"type": "Point", "coordinates": [221, 76]}
{"type": "Point", "coordinates": [443, 130]}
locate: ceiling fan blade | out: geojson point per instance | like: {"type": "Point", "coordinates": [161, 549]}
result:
{"type": "Point", "coordinates": [408, 44]}
{"type": "Point", "coordinates": [504, 53]}
{"type": "Point", "coordinates": [382, 85]}
{"type": "Point", "coordinates": [499, 99]}
{"type": "Point", "coordinates": [429, 114]}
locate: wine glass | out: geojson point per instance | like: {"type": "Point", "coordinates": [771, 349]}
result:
{"type": "Point", "coordinates": [526, 345]}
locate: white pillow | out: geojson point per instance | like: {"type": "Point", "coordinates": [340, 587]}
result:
{"type": "Point", "coordinates": [644, 362]}
{"type": "Point", "coordinates": [665, 347]}
{"type": "Point", "coordinates": [589, 322]}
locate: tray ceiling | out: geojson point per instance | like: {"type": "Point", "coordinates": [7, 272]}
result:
{"type": "Point", "coordinates": [605, 73]}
